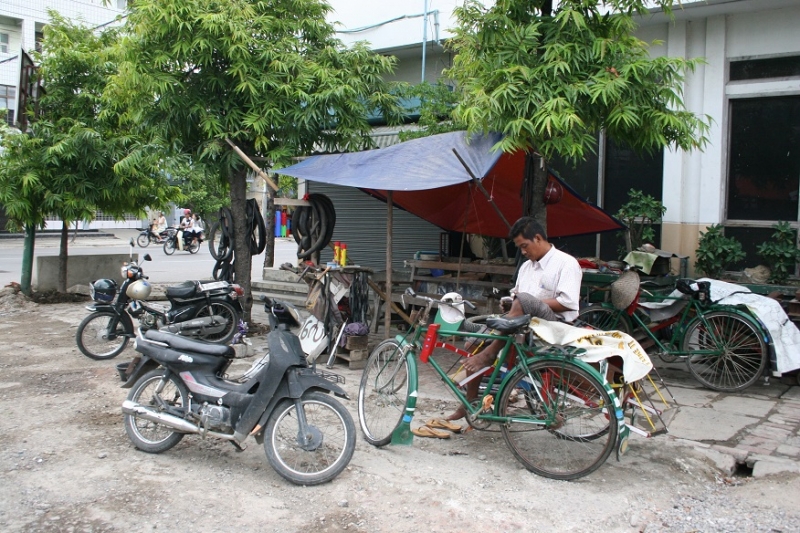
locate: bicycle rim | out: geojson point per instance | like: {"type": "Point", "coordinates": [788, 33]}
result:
{"type": "Point", "coordinates": [604, 318]}
{"type": "Point", "coordinates": [383, 393]}
{"type": "Point", "coordinates": [578, 436]}
{"type": "Point", "coordinates": [739, 353]}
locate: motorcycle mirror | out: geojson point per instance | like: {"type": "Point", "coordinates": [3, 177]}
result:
{"type": "Point", "coordinates": [147, 257]}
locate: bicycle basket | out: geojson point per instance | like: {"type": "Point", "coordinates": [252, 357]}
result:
{"type": "Point", "coordinates": [625, 290]}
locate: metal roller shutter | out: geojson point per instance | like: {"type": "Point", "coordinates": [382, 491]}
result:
{"type": "Point", "coordinates": [361, 223]}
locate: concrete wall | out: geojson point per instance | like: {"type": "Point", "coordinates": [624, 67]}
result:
{"type": "Point", "coordinates": [81, 269]}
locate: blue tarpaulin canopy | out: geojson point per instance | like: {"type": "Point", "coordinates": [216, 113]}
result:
{"type": "Point", "coordinates": [419, 164]}
{"type": "Point", "coordinates": [412, 169]}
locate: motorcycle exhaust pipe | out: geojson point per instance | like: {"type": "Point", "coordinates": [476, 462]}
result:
{"type": "Point", "coordinates": [136, 409]}
{"type": "Point", "coordinates": [198, 326]}
{"type": "Point", "coordinates": [179, 424]}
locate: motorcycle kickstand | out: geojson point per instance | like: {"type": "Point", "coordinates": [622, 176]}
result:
{"type": "Point", "coordinates": [239, 447]}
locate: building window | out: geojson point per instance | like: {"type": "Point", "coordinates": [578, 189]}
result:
{"type": "Point", "coordinates": [5, 40]}
{"type": "Point", "coordinates": [7, 99]}
{"type": "Point", "coordinates": [756, 69]}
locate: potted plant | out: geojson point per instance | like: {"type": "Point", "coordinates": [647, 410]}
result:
{"type": "Point", "coordinates": [715, 251]}
{"type": "Point", "coordinates": [781, 252]}
{"type": "Point", "coordinates": [639, 214]}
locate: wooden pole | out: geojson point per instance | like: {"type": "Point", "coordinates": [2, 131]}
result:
{"type": "Point", "coordinates": [387, 319]}
{"type": "Point", "coordinates": [252, 165]}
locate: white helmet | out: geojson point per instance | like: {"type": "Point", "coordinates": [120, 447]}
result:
{"type": "Point", "coordinates": [454, 313]}
{"type": "Point", "coordinates": [139, 290]}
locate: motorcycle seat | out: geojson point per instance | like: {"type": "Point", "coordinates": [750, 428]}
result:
{"type": "Point", "coordinates": [190, 345]}
{"type": "Point", "coordinates": [187, 289]}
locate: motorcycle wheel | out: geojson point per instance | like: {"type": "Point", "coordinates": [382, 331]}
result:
{"type": "Point", "coordinates": [332, 434]}
{"type": "Point", "coordinates": [93, 339]}
{"type": "Point", "coordinates": [193, 247]}
{"type": "Point", "coordinates": [228, 313]}
{"type": "Point", "coordinates": [143, 240]}
{"type": "Point", "coordinates": [166, 394]}
{"type": "Point", "coordinates": [169, 246]}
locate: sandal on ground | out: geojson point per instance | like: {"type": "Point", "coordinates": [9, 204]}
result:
{"type": "Point", "coordinates": [425, 431]}
{"type": "Point", "coordinates": [438, 423]}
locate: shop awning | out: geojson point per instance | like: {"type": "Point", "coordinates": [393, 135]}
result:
{"type": "Point", "coordinates": [430, 181]}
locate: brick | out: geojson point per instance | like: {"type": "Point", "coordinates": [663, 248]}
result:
{"type": "Point", "coordinates": [791, 451]}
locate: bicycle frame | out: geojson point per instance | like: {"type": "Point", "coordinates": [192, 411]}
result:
{"type": "Point", "coordinates": [422, 339]}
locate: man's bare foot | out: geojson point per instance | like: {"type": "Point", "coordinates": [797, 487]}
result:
{"type": "Point", "coordinates": [458, 414]}
{"type": "Point", "coordinates": [478, 361]}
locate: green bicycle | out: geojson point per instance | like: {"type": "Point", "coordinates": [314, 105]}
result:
{"type": "Point", "coordinates": [725, 348]}
{"type": "Point", "coordinates": [557, 414]}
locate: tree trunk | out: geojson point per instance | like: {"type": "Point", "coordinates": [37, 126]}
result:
{"type": "Point", "coordinates": [62, 258]}
{"type": "Point", "coordinates": [27, 259]}
{"type": "Point", "coordinates": [536, 172]}
{"type": "Point", "coordinates": [242, 261]}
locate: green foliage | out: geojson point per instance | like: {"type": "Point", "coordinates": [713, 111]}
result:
{"type": "Point", "coordinates": [72, 162]}
{"type": "Point", "coordinates": [436, 105]}
{"type": "Point", "coordinates": [551, 81]}
{"type": "Point", "coordinates": [716, 251]}
{"type": "Point", "coordinates": [269, 75]}
{"type": "Point", "coordinates": [781, 253]}
{"type": "Point", "coordinates": [639, 213]}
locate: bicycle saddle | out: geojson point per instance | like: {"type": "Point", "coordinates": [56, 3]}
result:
{"type": "Point", "coordinates": [507, 325]}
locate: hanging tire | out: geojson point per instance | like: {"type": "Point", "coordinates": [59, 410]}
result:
{"type": "Point", "coordinates": [96, 340]}
{"type": "Point", "coordinates": [330, 445]}
{"type": "Point", "coordinates": [159, 393]}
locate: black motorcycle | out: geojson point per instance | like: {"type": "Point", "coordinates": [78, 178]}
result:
{"type": "Point", "coordinates": [179, 386]}
{"type": "Point", "coordinates": [208, 310]}
{"type": "Point", "coordinates": [191, 242]}
{"type": "Point", "coordinates": [148, 236]}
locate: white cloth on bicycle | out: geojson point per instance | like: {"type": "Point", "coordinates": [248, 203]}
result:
{"type": "Point", "coordinates": [784, 332]}
{"type": "Point", "coordinates": [599, 345]}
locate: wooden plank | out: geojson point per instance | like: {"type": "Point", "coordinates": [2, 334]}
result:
{"type": "Point", "coordinates": [475, 282]}
{"type": "Point", "coordinates": [291, 201]}
{"type": "Point", "coordinates": [507, 270]}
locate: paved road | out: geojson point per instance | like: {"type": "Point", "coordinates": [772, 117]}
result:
{"type": "Point", "coordinates": [162, 269]}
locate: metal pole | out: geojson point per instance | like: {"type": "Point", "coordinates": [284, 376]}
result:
{"type": "Point", "coordinates": [424, 37]}
{"type": "Point", "coordinates": [387, 318]}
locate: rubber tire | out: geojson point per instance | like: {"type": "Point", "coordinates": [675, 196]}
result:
{"type": "Point", "coordinates": [193, 247]}
{"type": "Point", "coordinates": [130, 427]}
{"type": "Point", "coordinates": [169, 246]}
{"type": "Point", "coordinates": [272, 449]}
{"type": "Point", "coordinates": [391, 410]}
{"type": "Point", "coordinates": [234, 318]}
{"type": "Point", "coordinates": [218, 244]}
{"type": "Point", "coordinates": [542, 442]}
{"type": "Point", "coordinates": [99, 315]}
{"type": "Point", "coordinates": [605, 318]}
{"type": "Point", "coordinates": [738, 334]}
{"type": "Point", "coordinates": [143, 240]}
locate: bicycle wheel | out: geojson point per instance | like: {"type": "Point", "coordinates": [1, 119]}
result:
{"type": "Point", "coordinates": [739, 352]}
{"type": "Point", "coordinates": [579, 436]}
{"type": "Point", "coordinates": [605, 318]}
{"type": "Point", "coordinates": [143, 240]}
{"type": "Point", "coordinates": [383, 392]}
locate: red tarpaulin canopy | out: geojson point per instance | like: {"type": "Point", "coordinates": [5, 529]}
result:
{"type": "Point", "coordinates": [447, 207]}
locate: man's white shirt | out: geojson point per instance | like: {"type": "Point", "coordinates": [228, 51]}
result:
{"type": "Point", "coordinates": [556, 275]}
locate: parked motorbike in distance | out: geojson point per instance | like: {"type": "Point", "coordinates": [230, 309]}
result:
{"type": "Point", "coordinates": [189, 245]}
{"type": "Point", "coordinates": [206, 310]}
{"type": "Point", "coordinates": [179, 386]}
{"type": "Point", "coordinates": [147, 236]}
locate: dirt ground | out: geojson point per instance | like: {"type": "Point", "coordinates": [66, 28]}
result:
{"type": "Point", "coordinates": [67, 465]}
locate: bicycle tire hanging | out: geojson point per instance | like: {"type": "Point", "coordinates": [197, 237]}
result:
{"type": "Point", "coordinates": [312, 225]}
{"type": "Point", "coordinates": [221, 239]}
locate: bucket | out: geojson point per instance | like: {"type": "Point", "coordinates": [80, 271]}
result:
{"type": "Point", "coordinates": [122, 368]}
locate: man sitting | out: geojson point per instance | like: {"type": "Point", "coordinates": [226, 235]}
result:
{"type": "Point", "coordinates": [548, 286]}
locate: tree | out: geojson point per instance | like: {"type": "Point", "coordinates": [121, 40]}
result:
{"type": "Point", "coordinates": [267, 75]}
{"type": "Point", "coordinates": [551, 79]}
{"type": "Point", "coordinates": [75, 159]}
